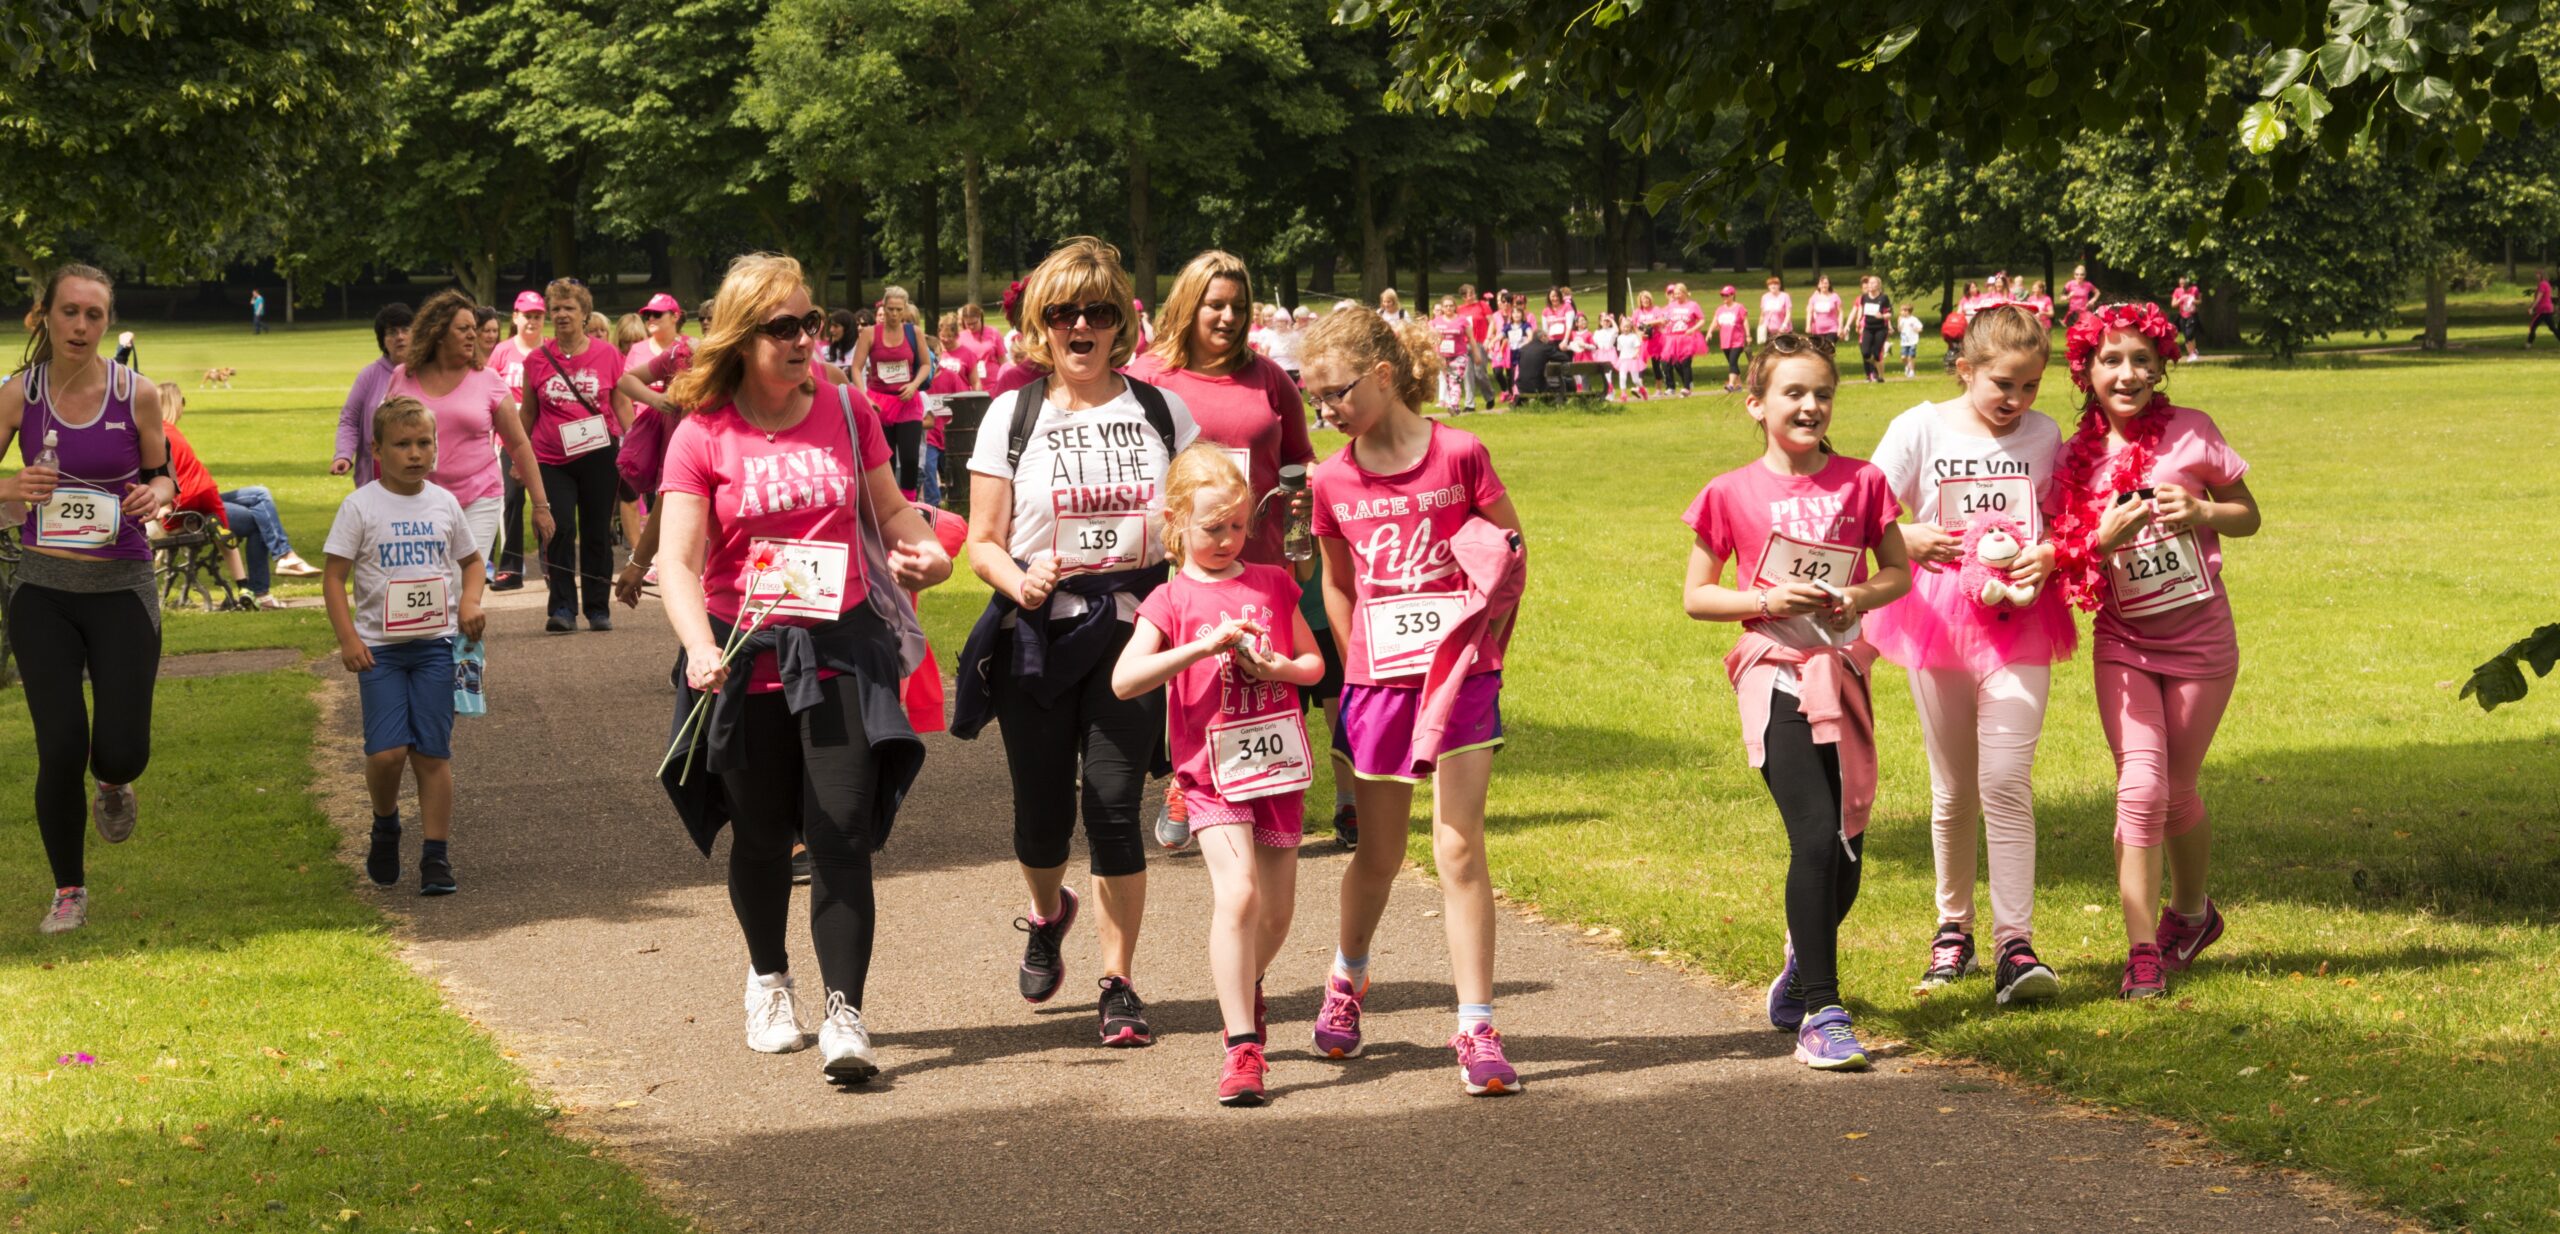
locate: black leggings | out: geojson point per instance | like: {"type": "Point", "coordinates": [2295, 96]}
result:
{"type": "Point", "coordinates": [510, 554]}
{"type": "Point", "coordinates": [1733, 364]}
{"type": "Point", "coordinates": [581, 492]}
{"type": "Point", "coordinates": [2541, 321]}
{"type": "Point", "coordinates": [1822, 875]}
{"type": "Point", "coordinates": [810, 780]}
{"type": "Point", "coordinates": [906, 450]}
{"type": "Point", "coordinates": [56, 636]}
{"type": "Point", "coordinates": [1116, 740]}
{"type": "Point", "coordinates": [1871, 350]}
{"type": "Point", "coordinates": [1681, 372]}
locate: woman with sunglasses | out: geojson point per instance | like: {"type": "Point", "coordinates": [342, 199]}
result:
{"type": "Point", "coordinates": [570, 409]}
{"type": "Point", "coordinates": [777, 500]}
{"type": "Point", "coordinates": [1066, 525]}
{"type": "Point", "coordinates": [893, 366]}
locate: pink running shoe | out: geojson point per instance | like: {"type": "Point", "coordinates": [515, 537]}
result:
{"type": "Point", "coordinates": [1338, 1021]}
{"type": "Point", "coordinates": [1240, 1083]}
{"type": "Point", "coordinates": [2143, 974]}
{"type": "Point", "coordinates": [2181, 943]}
{"type": "Point", "coordinates": [1481, 1065]}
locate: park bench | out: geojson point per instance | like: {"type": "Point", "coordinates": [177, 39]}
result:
{"type": "Point", "coordinates": [1573, 378]}
{"type": "Point", "coordinates": [187, 550]}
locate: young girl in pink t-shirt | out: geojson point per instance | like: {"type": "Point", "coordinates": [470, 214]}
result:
{"type": "Point", "coordinates": [1227, 641]}
{"type": "Point", "coordinates": [2144, 495]}
{"type": "Point", "coordinates": [1800, 523]}
{"type": "Point", "coordinates": [1391, 512]}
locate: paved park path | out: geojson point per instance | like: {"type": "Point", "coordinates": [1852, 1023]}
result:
{"type": "Point", "coordinates": [594, 942]}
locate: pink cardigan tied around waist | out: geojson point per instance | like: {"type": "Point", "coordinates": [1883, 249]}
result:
{"type": "Point", "coordinates": [1831, 690]}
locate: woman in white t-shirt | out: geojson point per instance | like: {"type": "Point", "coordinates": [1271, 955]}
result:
{"type": "Point", "coordinates": [1068, 529]}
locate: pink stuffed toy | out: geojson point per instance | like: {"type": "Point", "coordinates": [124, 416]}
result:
{"type": "Point", "coordinates": [1993, 545]}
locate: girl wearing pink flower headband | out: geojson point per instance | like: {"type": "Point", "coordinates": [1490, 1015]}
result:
{"type": "Point", "coordinates": [2146, 491]}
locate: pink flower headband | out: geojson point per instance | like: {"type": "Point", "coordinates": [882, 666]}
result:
{"type": "Point", "coordinates": [2092, 328]}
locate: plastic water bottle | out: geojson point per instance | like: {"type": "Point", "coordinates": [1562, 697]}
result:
{"type": "Point", "coordinates": [470, 663]}
{"type": "Point", "coordinates": [15, 513]}
{"type": "Point", "coordinates": [1298, 543]}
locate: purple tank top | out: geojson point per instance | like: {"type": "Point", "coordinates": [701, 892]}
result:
{"type": "Point", "coordinates": [103, 455]}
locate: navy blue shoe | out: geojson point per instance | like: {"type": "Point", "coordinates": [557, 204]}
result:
{"type": "Point", "coordinates": [435, 876]}
{"type": "Point", "coordinates": [382, 858]}
{"type": "Point", "coordinates": [1786, 1007]}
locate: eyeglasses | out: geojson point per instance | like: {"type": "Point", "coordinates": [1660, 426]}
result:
{"type": "Point", "coordinates": [1333, 401]}
{"type": "Point", "coordinates": [787, 330]}
{"type": "Point", "coordinates": [1099, 315]}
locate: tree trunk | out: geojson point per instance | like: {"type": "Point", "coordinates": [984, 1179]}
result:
{"type": "Point", "coordinates": [1613, 228]}
{"type": "Point", "coordinates": [857, 252]}
{"type": "Point", "coordinates": [660, 273]}
{"type": "Point", "coordinates": [2432, 339]}
{"type": "Point", "coordinates": [1377, 272]}
{"type": "Point", "coordinates": [1422, 270]}
{"type": "Point", "coordinates": [1947, 302]}
{"type": "Point", "coordinates": [1488, 258]}
{"type": "Point", "coordinates": [2050, 286]}
{"type": "Point", "coordinates": [1559, 255]}
{"type": "Point", "coordinates": [564, 241]}
{"type": "Point", "coordinates": [929, 291]}
{"type": "Point", "coordinates": [288, 301]}
{"type": "Point", "coordinates": [971, 169]}
{"type": "Point", "coordinates": [1142, 238]}
{"type": "Point", "coordinates": [2510, 242]}
{"type": "Point", "coordinates": [1288, 289]}
{"type": "Point", "coordinates": [1817, 255]}
{"type": "Point", "coordinates": [1328, 262]}
{"type": "Point", "coordinates": [2218, 320]}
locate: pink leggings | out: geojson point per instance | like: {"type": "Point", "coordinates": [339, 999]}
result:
{"type": "Point", "coordinates": [1981, 731]}
{"type": "Point", "coordinates": [2160, 727]}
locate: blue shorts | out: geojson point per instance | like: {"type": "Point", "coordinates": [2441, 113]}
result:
{"type": "Point", "coordinates": [408, 697]}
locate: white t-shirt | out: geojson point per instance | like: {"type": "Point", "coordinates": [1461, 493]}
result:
{"type": "Point", "coordinates": [1910, 327]}
{"type": "Point", "coordinates": [1925, 460]}
{"type": "Point", "coordinates": [1282, 347]}
{"type": "Point", "coordinates": [1089, 488]}
{"type": "Point", "coordinates": [407, 553]}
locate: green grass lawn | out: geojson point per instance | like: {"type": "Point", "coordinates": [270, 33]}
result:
{"type": "Point", "coordinates": [2380, 1011]}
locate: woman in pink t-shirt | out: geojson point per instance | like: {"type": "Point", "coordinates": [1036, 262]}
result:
{"type": "Point", "coordinates": [1648, 319]}
{"type": "Point", "coordinates": [2145, 493]}
{"type": "Point", "coordinates": [1225, 640]}
{"type": "Point", "coordinates": [570, 416]}
{"type": "Point", "coordinates": [890, 363]}
{"type": "Point", "coordinates": [762, 507]}
{"type": "Point", "coordinates": [1679, 339]}
{"type": "Point", "coordinates": [1732, 331]}
{"type": "Point", "coordinates": [1388, 509]}
{"type": "Point", "coordinates": [981, 346]}
{"type": "Point", "coordinates": [1822, 311]}
{"type": "Point", "coordinates": [1800, 523]}
{"type": "Point", "coordinates": [1777, 310]}
{"type": "Point", "coordinates": [2183, 300]}
{"type": "Point", "coordinates": [2540, 309]}
{"type": "Point", "coordinates": [472, 408]}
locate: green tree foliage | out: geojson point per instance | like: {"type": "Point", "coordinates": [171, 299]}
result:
{"type": "Point", "coordinates": [459, 190]}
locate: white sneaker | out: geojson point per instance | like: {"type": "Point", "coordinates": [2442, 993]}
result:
{"type": "Point", "coordinates": [773, 1023]}
{"type": "Point", "coordinates": [114, 812]}
{"type": "Point", "coordinates": [846, 1043]}
{"type": "Point", "coordinates": [70, 911]}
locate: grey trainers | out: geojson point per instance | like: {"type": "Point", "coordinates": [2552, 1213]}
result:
{"type": "Point", "coordinates": [114, 812]}
{"type": "Point", "coordinates": [70, 911]}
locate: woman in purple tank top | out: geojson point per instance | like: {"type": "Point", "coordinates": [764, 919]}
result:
{"type": "Point", "coordinates": [85, 604]}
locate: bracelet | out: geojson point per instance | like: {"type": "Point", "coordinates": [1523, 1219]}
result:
{"type": "Point", "coordinates": [1763, 594]}
{"type": "Point", "coordinates": [541, 507]}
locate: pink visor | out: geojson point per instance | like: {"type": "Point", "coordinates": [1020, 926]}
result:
{"type": "Point", "coordinates": [529, 302]}
{"type": "Point", "coordinates": [662, 303]}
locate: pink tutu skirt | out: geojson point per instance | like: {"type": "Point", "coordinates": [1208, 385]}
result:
{"type": "Point", "coordinates": [1935, 626]}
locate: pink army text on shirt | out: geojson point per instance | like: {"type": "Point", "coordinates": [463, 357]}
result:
{"type": "Point", "coordinates": [592, 372]}
{"type": "Point", "coordinates": [1398, 529]}
{"type": "Point", "coordinates": [2199, 640]}
{"type": "Point", "coordinates": [1256, 408]}
{"type": "Point", "coordinates": [1215, 692]}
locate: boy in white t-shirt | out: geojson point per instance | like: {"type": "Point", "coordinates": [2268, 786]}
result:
{"type": "Point", "coordinates": [1909, 328]}
{"type": "Point", "coordinates": [417, 580]}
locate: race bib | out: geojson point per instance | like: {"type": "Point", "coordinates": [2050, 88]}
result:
{"type": "Point", "coordinates": [895, 372]}
{"type": "Point", "coordinates": [1243, 459]}
{"type": "Point", "coordinates": [2160, 571]}
{"type": "Point", "coordinates": [584, 436]}
{"type": "Point", "coordinates": [78, 518]}
{"type": "Point", "coordinates": [1260, 758]}
{"type": "Point", "coordinates": [1405, 631]}
{"type": "Point", "coordinates": [820, 567]}
{"type": "Point", "coordinates": [1788, 560]}
{"type": "Point", "coordinates": [1448, 344]}
{"type": "Point", "coordinates": [1095, 543]}
{"type": "Point", "coordinates": [415, 607]}
{"type": "Point", "coordinates": [1872, 310]}
{"type": "Point", "coordinates": [2012, 497]}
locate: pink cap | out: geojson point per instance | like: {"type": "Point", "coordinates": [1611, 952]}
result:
{"type": "Point", "coordinates": [1728, 289]}
{"type": "Point", "coordinates": [529, 302]}
{"type": "Point", "coordinates": [662, 303]}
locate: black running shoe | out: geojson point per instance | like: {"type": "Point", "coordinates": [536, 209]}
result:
{"type": "Point", "coordinates": [1043, 968]}
{"type": "Point", "coordinates": [1950, 957]}
{"type": "Point", "coordinates": [382, 859]}
{"type": "Point", "coordinates": [602, 623]}
{"type": "Point", "coordinates": [557, 624]}
{"type": "Point", "coordinates": [435, 876]}
{"type": "Point", "coordinates": [2020, 977]}
{"type": "Point", "coordinates": [507, 580]}
{"type": "Point", "coordinates": [1346, 828]}
{"type": "Point", "coordinates": [1124, 1017]}
{"type": "Point", "coordinates": [800, 868]}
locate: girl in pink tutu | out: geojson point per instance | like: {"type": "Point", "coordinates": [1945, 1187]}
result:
{"type": "Point", "coordinates": [1980, 673]}
{"type": "Point", "coordinates": [1631, 361]}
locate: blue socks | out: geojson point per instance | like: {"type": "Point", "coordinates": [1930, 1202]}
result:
{"type": "Point", "coordinates": [1472, 1014]}
{"type": "Point", "coordinates": [1356, 970]}
{"type": "Point", "coordinates": [431, 850]}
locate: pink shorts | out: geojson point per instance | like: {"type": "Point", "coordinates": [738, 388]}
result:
{"type": "Point", "coordinates": [1278, 821]}
{"type": "Point", "coordinates": [1375, 726]}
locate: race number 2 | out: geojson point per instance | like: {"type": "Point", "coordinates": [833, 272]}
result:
{"type": "Point", "coordinates": [584, 435]}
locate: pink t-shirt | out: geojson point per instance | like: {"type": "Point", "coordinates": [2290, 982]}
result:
{"type": "Point", "coordinates": [1823, 525]}
{"type": "Point", "coordinates": [982, 350]}
{"type": "Point", "coordinates": [2542, 297]}
{"type": "Point", "coordinates": [1822, 313]}
{"type": "Point", "coordinates": [1215, 693]}
{"type": "Point", "coordinates": [1013, 376]}
{"type": "Point", "coordinates": [592, 372]}
{"type": "Point", "coordinates": [2077, 292]}
{"type": "Point", "coordinates": [1777, 311]}
{"type": "Point", "coordinates": [802, 485]}
{"type": "Point", "coordinates": [2184, 300]}
{"type": "Point", "coordinates": [1555, 322]}
{"type": "Point", "coordinates": [1450, 333]}
{"type": "Point", "coordinates": [1733, 328]}
{"type": "Point", "coordinates": [1256, 409]}
{"type": "Point", "coordinates": [2197, 639]}
{"type": "Point", "coordinates": [507, 361]}
{"type": "Point", "coordinates": [2042, 307]}
{"type": "Point", "coordinates": [951, 375]}
{"type": "Point", "coordinates": [467, 463]}
{"type": "Point", "coordinates": [1398, 528]}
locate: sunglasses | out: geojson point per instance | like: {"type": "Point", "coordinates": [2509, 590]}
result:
{"type": "Point", "coordinates": [1792, 343]}
{"type": "Point", "coordinates": [1099, 315]}
{"type": "Point", "coordinates": [787, 330]}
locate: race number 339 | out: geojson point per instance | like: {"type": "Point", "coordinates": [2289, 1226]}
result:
{"type": "Point", "coordinates": [2159, 572]}
{"type": "Point", "coordinates": [1789, 560]}
{"type": "Point", "coordinates": [414, 607]}
{"type": "Point", "coordinates": [1088, 543]}
{"type": "Point", "coordinates": [1405, 631]}
{"type": "Point", "coordinates": [2011, 497]}
{"type": "Point", "coordinates": [1260, 758]}
{"type": "Point", "coordinates": [77, 518]}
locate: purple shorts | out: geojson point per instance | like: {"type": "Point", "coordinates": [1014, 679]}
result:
{"type": "Point", "coordinates": [1278, 821]}
{"type": "Point", "coordinates": [1375, 730]}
